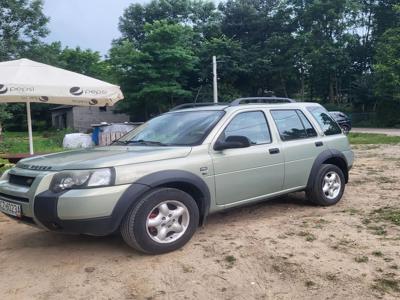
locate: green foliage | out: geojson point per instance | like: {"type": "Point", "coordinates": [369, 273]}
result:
{"type": "Point", "coordinates": [4, 114]}
{"type": "Point", "coordinates": [46, 142]}
{"type": "Point", "coordinates": [86, 62]}
{"type": "Point", "coordinates": [231, 68]}
{"type": "Point", "coordinates": [162, 64]}
{"type": "Point", "coordinates": [22, 25]}
{"type": "Point", "coordinates": [372, 138]}
{"type": "Point", "coordinates": [390, 214]}
{"type": "Point", "coordinates": [202, 15]}
{"type": "Point", "coordinates": [387, 65]}
{"type": "Point", "coordinates": [310, 50]}
{"type": "Point", "coordinates": [342, 53]}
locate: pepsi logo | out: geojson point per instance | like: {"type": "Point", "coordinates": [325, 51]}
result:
{"type": "Point", "coordinates": [76, 91]}
{"type": "Point", "coordinates": [93, 102]}
{"type": "Point", "coordinates": [43, 98]}
{"type": "Point", "coordinates": [3, 89]}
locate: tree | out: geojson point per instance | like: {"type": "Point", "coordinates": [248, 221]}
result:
{"type": "Point", "coordinates": [325, 31]}
{"type": "Point", "coordinates": [387, 67]}
{"type": "Point", "coordinates": [265, 30]}
{"type": "Point", "coordinates": [386, 15]}
{"type": "Point", "coordinates": [155, 75]}
{"type": "Point", "coordinates": [22, 25]}
{"type": "Point", "coordinates": [201, 15]}
{"type": "Point", "coordinates": [4, 116]}
{"type": "Point", "coordinates": [230, 59]}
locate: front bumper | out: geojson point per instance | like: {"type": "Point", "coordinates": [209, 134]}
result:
{"type": "Point", "coordinates": [88, 211]}
{"type": "Point", "coordinates": [95, 211]}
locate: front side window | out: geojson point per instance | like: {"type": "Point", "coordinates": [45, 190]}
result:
{"type": "Point", "coordinates": [328, 125]}
{"type": "Point", "coordinates": [188, 128]}
{"type": "Point", "coordinates": [252, 125]}
{"type": "Point", "coordinates": [292, 124]}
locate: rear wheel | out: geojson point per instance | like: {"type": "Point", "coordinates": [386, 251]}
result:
{"type": "Point", "coordinates": [328, 186]}
{"type": "Point", "coordinates": [162, 221]}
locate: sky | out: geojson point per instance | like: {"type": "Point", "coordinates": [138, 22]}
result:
{"type": "Point", "coordinates": [86, 23]}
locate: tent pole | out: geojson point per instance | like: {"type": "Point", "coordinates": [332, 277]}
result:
{"type": "Point", "coordinates": [28, 113]}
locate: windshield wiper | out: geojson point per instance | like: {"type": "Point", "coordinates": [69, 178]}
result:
{"type": "Point", "coordinates": [144, 142]}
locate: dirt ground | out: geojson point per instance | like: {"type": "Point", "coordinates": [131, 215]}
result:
{"type": "Point", "coordinates": [282, 249]}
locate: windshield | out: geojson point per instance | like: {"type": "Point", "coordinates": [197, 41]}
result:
{"type": "Point", "coordinates": [174, 129]}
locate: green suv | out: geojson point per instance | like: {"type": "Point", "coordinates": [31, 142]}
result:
{"type": "Point", "coordinates": [159, 182]}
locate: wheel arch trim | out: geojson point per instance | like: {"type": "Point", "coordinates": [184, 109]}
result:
{"type": "Point", "coordinates": [327, 155]}
{"type": "Point", "coordinates": [167, 178]}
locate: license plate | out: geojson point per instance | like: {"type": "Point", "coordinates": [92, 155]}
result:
{"type": "Point", "coordinates": [10, 208]}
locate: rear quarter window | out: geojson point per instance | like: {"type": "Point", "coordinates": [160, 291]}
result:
{"type": "Point", "coordinates": [324, 119]}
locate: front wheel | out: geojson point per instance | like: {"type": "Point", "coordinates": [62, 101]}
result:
{"type": "Point", "coordinates": [328, 186]}
{"type": "Point", "coordinates": [162, 221]}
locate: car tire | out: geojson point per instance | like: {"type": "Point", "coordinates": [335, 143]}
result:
{"type": "Point", "coordinates": [163, 220]}
{"type": "Point", "coordinates": [328, 186]}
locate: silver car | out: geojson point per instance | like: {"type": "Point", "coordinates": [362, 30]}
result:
{"type": "Point", "coordinates": [159, 182]}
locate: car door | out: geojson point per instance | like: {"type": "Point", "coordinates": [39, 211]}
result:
{"type": "Point", "coordinates": [301, 144]}
{"type": "Point", "coordinates": [247, 173]}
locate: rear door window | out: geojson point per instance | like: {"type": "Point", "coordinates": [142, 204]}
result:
{"type": "Point", "coordinates": [292, 124]}
{"type": "Point", "coordinates": [307, 125]}
{"type": "Point", "coordinates": [328, 125]}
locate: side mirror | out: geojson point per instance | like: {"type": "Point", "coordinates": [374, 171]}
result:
{"type": "Point", "coordinates": [232, 142]}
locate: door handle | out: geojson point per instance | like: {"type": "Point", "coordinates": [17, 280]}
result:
{"type": "Point", "coordinates": [274, 151]}
{"type": "Point", "coordinates": [319, 144]}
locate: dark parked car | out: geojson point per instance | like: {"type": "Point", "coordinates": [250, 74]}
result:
{"type": "Point", "coordinates": [342, 119]}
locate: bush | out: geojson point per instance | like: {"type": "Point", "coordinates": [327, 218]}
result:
{"type": "Point", "coordinates": [388, 114]}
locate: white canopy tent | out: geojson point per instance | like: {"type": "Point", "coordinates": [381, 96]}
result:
{"type": "Point", "coordinates": [28, 81]}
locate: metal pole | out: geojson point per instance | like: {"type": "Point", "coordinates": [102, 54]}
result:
{"type": "Point", "coordinates": [215, 79]}
{"type": "Point", "coordinates": [28, 113]}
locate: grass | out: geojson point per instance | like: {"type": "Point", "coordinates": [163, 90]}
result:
{"type": "Point", "coordinates": [377, 253]}
{"type": "Point", "coordinates": [377, 230]}
{"type": "Point", "coordinates": [44, 142]}
{"type": "Point", "coordinates": [308, 236]}
{"type": "Point", "coordinates": [310, 284]}
{"type": "Point", "coordinates": [372, 139]}
{"type": "Point", "coordinates": [388, 214]}
{"type": "Point", "coordinates": [230, 260]}
{"type": "Point", "coordinates": [4, 165]}
{"type": "Point", "coordinates": [331, 277]}
{"type": "Point", "coordinates": [18, 142]}
{"type": "Point", "coordinates": [384, 179]}
{"type": "Point", "coordinates": [387, 285]}
{"type": "Point", "coordinates": [361, 259]}
{"type": "Point", "coordinates": [352, 211]}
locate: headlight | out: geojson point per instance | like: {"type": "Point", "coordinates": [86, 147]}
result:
{"type": "Point", "coordinates": [66, 180]}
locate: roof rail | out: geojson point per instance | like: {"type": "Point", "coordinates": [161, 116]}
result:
{"type": "Point", "coordinates": [258, 100]}
{"type": "Point", "coordinates": [198, 104]}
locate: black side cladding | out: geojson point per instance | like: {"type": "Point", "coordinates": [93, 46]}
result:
{"type": "Point", "coordinates": [45, 206]}
{"type": "Point", "coordinates": [329, 156]}
{"type": "Point", "coordinates": [172, 178]}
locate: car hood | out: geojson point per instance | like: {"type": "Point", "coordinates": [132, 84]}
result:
{"type": "Point", "coordinates": [102, 157]}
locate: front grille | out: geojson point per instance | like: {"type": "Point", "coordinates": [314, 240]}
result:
{"type": "Point", "coordinates": [16, 198]}
{"type": "Point", "coordinates": [21, 180]}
